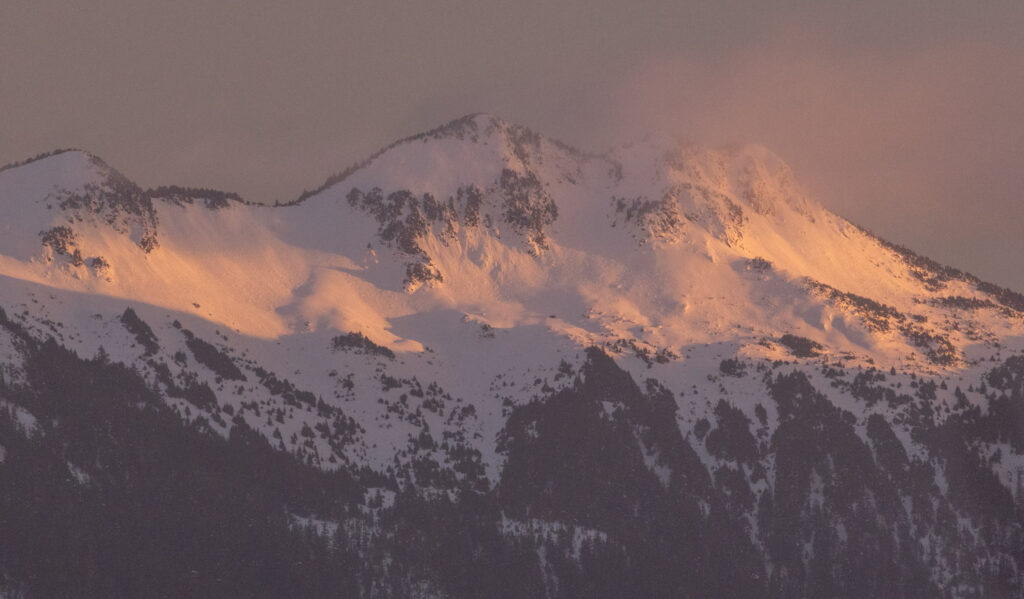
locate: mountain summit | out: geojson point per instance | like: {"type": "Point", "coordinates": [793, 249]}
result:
{"type": "Point", "coordinates": [654, 244]}
{"type": "Point", "coordinates": [670, 331]}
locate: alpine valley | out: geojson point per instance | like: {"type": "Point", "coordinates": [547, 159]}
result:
{"type": "Point", "coordinates": [483, 363]}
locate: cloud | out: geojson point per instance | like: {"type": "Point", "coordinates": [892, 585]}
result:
{"type": "Point", "coordinates": [900, 114]}
{"type": "Point", "coordinates": [928, 139]}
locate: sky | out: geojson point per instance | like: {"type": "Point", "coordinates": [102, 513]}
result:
{"type": "Point", "coordinates": [905, 117]}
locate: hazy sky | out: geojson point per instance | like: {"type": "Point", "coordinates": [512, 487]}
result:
{"type": "Point", "coordinates": [906, 117]}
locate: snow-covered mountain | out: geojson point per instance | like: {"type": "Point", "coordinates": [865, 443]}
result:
{"type": "Point", "coordinates": [459, 312]}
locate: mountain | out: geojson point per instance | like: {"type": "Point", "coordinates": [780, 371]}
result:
{"type": "Point", "coordinates": [485, 363]}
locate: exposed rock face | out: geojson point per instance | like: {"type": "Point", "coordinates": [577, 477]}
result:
{"type": "Point", "coordinates": [483, 363]}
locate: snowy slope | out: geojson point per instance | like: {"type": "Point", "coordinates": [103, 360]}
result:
{"type": "Point", "coordinates": [398, 315]}
{"type": "Point", "coordinates": [481, 254]}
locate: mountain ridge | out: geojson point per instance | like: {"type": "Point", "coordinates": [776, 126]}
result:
{"type": "Point", "coordinates": [465, 312]}
{"type": "Point", "coordinates": [724, 192]}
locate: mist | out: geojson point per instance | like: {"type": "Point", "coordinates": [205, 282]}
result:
{"type": "Point", "coordinates": [904, 117]}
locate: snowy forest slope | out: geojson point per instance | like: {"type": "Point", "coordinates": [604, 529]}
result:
{"type": "Point", "coordinates": [481, 318]}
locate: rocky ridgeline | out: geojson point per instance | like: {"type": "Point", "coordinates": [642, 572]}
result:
{"type": "Point", "coordinates": [733, 445]}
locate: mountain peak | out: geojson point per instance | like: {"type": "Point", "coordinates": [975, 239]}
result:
{"type": "Point", "coordinates": [667, 340]}
{"type": "Point", "coordinates": [480, 209]}
{"type": "Point", "coordinates": [63, 169]}
{"type": "Point", "coordinates": [57, 194]}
